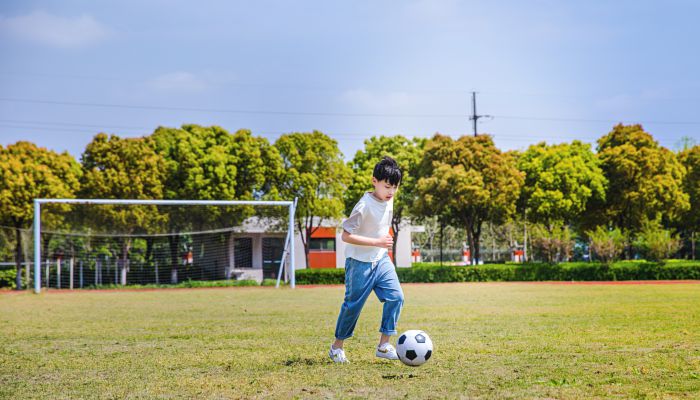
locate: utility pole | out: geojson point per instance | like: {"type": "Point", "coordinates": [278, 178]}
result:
{"type": "Point", "coordinates": [474, 117]}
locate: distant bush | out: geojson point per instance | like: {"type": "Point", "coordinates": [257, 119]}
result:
{"type": "Point", "coordinates": [323, 276]}
{"type": "Point", "coordinates": [656, 243]}
{"type": "Point", "coordinates": [607, 244]}
{"type": "Point", "coordinates": [7, 278]}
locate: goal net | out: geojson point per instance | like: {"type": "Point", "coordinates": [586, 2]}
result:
{"type": "Point", "coordinates": [93, 243]}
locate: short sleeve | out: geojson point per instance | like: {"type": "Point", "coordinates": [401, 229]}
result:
{"type": "Point", "coordinates": [352, 223]}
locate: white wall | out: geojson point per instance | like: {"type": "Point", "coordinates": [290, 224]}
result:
{"type": "Point", "coordinates": [403, 249]}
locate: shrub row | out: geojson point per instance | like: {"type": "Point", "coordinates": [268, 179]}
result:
{"type": "Point", "coordinates": [583, 271]}
{"type": "Point", "coordinates": [427, 272]}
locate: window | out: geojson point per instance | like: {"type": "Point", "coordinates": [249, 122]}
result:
{"type": "Point", "coordinates": [243, 252]}
{"type": "Point", "coordinates": [322, 244]}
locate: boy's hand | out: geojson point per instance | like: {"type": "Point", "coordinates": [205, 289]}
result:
{"type": "Point", "coordinates": [385, 241]}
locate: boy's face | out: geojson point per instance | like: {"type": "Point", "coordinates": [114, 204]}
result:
{"type": "Point", "coordinates": [383, 189]}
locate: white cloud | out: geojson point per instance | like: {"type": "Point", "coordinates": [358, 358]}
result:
{"type": "Point", "coordinates": [179, 82]}
{"type": "Point", "coordinates": [56, 31]}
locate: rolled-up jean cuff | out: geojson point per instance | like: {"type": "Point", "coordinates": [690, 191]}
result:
{"type": "Point", "coordinates": [388, 333]}
{"type": "Point", "coordinates": [343, 338]}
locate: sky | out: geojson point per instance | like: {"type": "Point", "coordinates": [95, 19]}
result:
{"type": "Point", "coordinates": [552, 71]}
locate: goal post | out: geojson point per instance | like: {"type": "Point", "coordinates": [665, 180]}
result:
{"type": "Point", "coordinates": [288, 256]}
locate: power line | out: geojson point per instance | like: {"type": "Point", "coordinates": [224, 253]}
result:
{"type": "Point", "coordinates": [231, 111]}
{"type": "Point", "coordinates": [608, 121]}
{"type": "Point", "coordinates": [297, 87]}
{"type": "Point", "coordinates": [335, 114]}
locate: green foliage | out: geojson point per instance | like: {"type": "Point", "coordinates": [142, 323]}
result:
{"type": "Point", "coordinates": [607, 244]}
{"type": "Point", "coordinates": [8, 278]}
{"type": "Point", "coordinates": [116, 168]}
{"type": "Point", "coordinates": [690, 158]}
{"type": "Point", "coordinates": [656, 243]}
{"type": "Point", "coordinates": [551, 243]}
{"type": "Point", "coordinates": [28, 172]}
{"type": "Point", "coordinates": [645, 180]}
{"type": "Point", "coordinates": [321, 276]}
{"type": "Point", "coordinates": [559, 181]}
{"type": "Point", "coordinates": [209, 163]}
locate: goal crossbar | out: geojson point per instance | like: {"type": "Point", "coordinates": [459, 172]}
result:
{"type": "Point", "coordinates": [39, 202]}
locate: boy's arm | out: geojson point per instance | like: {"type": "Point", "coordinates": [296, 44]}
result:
{"type": "Point", "coordinates": [385, 241]}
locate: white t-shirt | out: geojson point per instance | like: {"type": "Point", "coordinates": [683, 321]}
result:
{"type": "Point", "coordinates": [370, 218]}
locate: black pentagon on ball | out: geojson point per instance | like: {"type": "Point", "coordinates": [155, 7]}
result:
{"type": "Point", "coordinates": [428, 354]}
{"type": "Point", "coordinates": [402, 339]}
{"type": "Point", "coordinates": [420, 338]}
{"type": "Point", "coordinates": [411, 354]}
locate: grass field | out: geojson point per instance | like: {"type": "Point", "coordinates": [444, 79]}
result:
{"type": "Point", "coordinates": [492, 340]}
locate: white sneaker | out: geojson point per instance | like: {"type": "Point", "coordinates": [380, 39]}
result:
{"type": "Point", "coordinates": [387, 351]}
{"type": "Point", "coordinates": [337, 355]}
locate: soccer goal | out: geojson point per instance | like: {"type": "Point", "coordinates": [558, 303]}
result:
{"type": "Point", "coordinates": [93, 243]}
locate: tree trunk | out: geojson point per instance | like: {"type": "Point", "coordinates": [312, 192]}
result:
{"type": "Point", "coordinates": [307, 244]}
{"type": "Point", "coordinates": [149, 255]}
{"type": "Point", "coordinates": [470, 244]}
{"type": "Point", "coordinates": [493, 243]}
{"type": "Point", "coordinates": [477, 243]}
{"type": "Point", "coordinates": [231, 257]}
{"type": "Point", "coordinates": [550, 243]}
{"type": "Point", "coordinates": [442, 227]}
{"type": "Point", "coordinates": [125, 260]}
{"type": "Point", "coordinates": [18, 258]}
{"type": "Point", "coordinates": [692, 244]}
{"type": "Point", "coordinates": [174, 242]}
{"type": "Point", "coordinates": [525, 259]}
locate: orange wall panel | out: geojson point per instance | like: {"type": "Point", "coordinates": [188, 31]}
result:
{"type": "Point", "coordinates": [322, 259]}
{"type": "Point", "coordinates": [324, 232]}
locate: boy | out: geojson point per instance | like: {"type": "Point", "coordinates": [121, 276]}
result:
{"type": "Point", "coordinates": [367, 263]}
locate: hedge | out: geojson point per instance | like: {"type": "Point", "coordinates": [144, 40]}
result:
{"type": "Point", "coordinates": [583, 271]}
{"type": "Point", "coordinates": [427, 272]}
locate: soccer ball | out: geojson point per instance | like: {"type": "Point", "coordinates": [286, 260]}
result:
{"type": "Point", "coordinates": [414, 347]}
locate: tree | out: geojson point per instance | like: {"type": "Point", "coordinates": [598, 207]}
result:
{"type": "Point", "coordinates": [655, 242]}
{"type": "Point", "coordinates": [645, 179]}
{"type": "Point", "coordinates": [315, 173]}
{"type": "Point", "coordinates": [430, 203]}
{"type": "Point", "coordinates": [468, 181]}
{"type": "Point", "coordinates": [209, 163]}
{"type": "Point", "coordinates": [28, 172]}
{"type": "Point", "coordinates": [116, 168]}
{"type": "Point", "coordinates": [560, 180]}
{"type": "Point", "coordinates": [407, 154]}
{"type": "Point", "coordinates": [606, 244]}
{"type": "Point", "coordinates": [690, 221]}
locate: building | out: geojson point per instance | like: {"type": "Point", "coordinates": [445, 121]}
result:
{"type": "Point", "coordinates": [256, 251]}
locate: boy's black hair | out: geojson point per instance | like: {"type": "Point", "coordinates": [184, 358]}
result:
{"type": "Point", "coordinates": [388, 170]}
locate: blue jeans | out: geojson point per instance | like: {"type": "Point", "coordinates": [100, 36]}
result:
{"type": "Point", "coordinates": [360, 279]}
